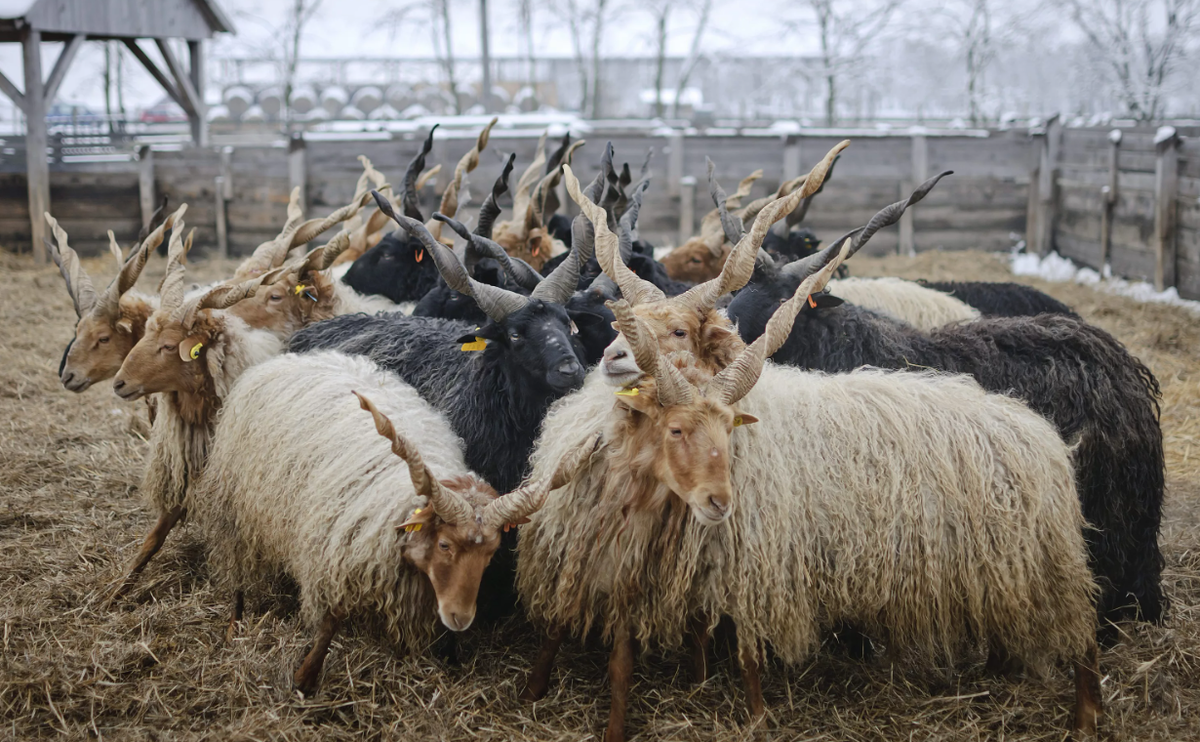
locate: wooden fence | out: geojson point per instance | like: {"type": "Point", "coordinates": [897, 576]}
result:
{"type": "Point", "coordinates": [1128, 199]}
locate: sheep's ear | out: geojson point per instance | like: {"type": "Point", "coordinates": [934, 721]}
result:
{"type": "Point", "coordinates": [742, 418]}
{"type": "Point", "coordinates": [823, 300]}
{"type": "Point", "coordinates": [125, 325]}
{"type": "Point", "coordinates": [190, 348]}
{"type": "Point", "coordinates": [632, 398]}
{"type": "Point", "coordinates": [420, 517]}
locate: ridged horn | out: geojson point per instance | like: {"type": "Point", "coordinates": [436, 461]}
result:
{"type": "Point", "coordinates": [481, 247]}
{"type": "Point", "coordinates": [673, 388]}
{"type": "Point", "coordinates": [529, 498]}
{"type": "Point", "coordinates": [409, 199]}
{"type": "Point", "coordinates": [467, 163]}
{"type": "Point", "coordinates": [491, 205]}
{"type": "Point", "coordinates": [79, 284]}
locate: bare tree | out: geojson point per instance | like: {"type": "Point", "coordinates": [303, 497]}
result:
{"type": "Point", "coordinates": [432, 16]}
{"type": "Point", "coordinates": [1142, 42]}
{"type": "Point", "coordinates": [525, 38]}
{"type": "Point", "coordinates": [703, 13]}
{"type": "Point", "coordinates": [844, 29]}
{"type": "Point", "coordinates": [300, 14]}
{"type": "Point", "coordinates": [598, 19]}
{"type": "Point", "coordinates": [586, 22]}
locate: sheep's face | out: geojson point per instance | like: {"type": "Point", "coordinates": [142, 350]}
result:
{"type": "Point", "coordinates": [685, 447]}
{"type": "Point", "coordinates": [287, 305]}
{"type": "Point", "coordinates": [539, 341]}
{"type": "Point", "coordinates": [98, 350]}
{"type": "Point", "coordinates": [694, 261]}
{"type": "Point", "coordinates": [453, 557]}
{"type": "Point", "coordinates": [708, 337]}
{"type": "Point", "coordinates": [167, 359]}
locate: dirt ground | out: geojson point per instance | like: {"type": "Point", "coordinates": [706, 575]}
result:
{"type": "Point", "coordinates": [156, 666]}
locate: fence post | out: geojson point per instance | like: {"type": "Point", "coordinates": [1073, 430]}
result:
{"type": "Point", "coordinates": [1166, 185]}
{"type": "Point", "coordinates": [1047, 205]}
{"type": "Point", "coordinates": [297, 161]}
{"type": "Point", "coordinates": [1109, 197]}
{"type": "Point", "coordinates": [791, 158]}
{"type": "Point", "coordinates": [224, 193]}
{"type": "Point", "coordinates": [146, 183]}
{"type": "Point", "coordinates": [674, 162]}
{"type": "Point", "coordinates": [920, 169]}
{"type": "Point", "coordinates": [687, 208]}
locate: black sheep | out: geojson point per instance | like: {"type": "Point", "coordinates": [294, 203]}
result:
{"type": "Point", "coordinates": [1078, 376]}
{"type": "Point", "coordinates": [1002, 299]}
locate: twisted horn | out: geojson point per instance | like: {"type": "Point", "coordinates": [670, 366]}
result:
{"type": "Point", "coordinates": [223, 296]}
{"type": "Point", "coordinates": [529, 498]}
{"type": "Point", "coordinates": [156, 219]}
{"type": "Point", "coordinates": [79, 284]}
{"type": "Point", "coordinates": [673, 388]}
{"type": "Point", "coordinates": [739, 266]}
{"type": "Point", "coordinates": [521, 196]}
{"type": "Point", "coordinates": [409, 199]}
{"type": "Point", "coordinates": [736, 380]}
{"type": "Point", "coordinates": [171, 290]}
{"type": "Point", "coordinates": [491, 206]}
{"type": "Point", "coordinates": [732, 225]}
{"type": "Point", "coordinates": [313, 228]}
{"type": "Point", "coordinates": [633, 288]}
{"type": "Point", "coordinates": [468, 162]}
{"type": "Point", "coordinates": [496, 303]}
{"type": "Point", "coordinates": [424, 178]}
{"type": "Point", "coordinates": [448, 505]}
{"type": "Point", "coordinates": [480, 246]}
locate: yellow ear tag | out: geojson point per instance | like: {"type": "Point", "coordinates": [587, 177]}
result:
{"type": "Point", "coordinates": [630, 392]}
{"type": "Point", "coordinates": [737, 421]}
{"type": "Point", "coordinates": [299, 289]}
{"type": "Point", "coordinates": [195, 351]}
{"type": "Point", "coordinates": [479, 344]}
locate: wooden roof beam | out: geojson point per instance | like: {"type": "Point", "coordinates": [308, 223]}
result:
{"type": "Point", "coordinates": [65, 57]}
{"type": "Point", "coordinates": [155, 72]}
{"type": "Point", "coordinates": [190, 100]}
{"type": "Point", "coordinates": [7, 87]}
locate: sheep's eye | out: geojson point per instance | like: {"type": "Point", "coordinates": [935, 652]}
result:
{"type": "Point", "coordinates": [697, 261]}
{"type": "Point", "coordinates": [168, 348]}
{"type": "Point", "coordinates": [276, 297]}
{"type": "Point", "coordinates": [515, 335]}
{"type": "Point", "coordinates": [783, 300]}
{"type": "Point", "coordinates": [680, 333]}
{"type": "Point", "coordinates": [103, 339]}
{"type": "Point", "coordinates": [676, 433]}
{"type": "Point", "coordinates": [444, 545]}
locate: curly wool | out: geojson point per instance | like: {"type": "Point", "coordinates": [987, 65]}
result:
{"type": "Point", "coordinates": [1078, 376]}
{"type": "Point", "coordinates": [184, 424]}
{"type": "Point", "coordinates": [909, 302]}
{"type": "Point", "coordinates": [299, 482]}
{"type": "Point", "coordinates": [1002, 299]}
{"type": "Point", "coordinates": [916, 506]}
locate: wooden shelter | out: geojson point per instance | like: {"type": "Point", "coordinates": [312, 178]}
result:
{"type": "Point", "coordinates": [32, 22]}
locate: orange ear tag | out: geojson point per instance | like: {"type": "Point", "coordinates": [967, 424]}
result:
{"type": "Point", "coordinates": [479, 344]}
{"type": "Point", "coordinates": [420, 255]}
{"type": "Point", "coordinates": [536, 248]}
{"type": "Point", "coordinates": [631, 392]}
{"type": "Point", "coordinates": [811, 303]}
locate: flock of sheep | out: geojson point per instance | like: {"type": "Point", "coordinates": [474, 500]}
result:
{"type": "Point", "coordinates": [933, 467]}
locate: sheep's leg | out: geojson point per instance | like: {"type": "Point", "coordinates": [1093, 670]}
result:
{"type": "Point", "coordinates": [857, 644]}
{"type": "Point", "coordinates": [750, 676]}
{"type": "Point", "coordinates": [154, 541]}
{"type": "Point", "coordinates": [620, 676]}
{"type": "Point", "coordinates": [1088, 704]}
{"type": "Point", "coordinates": [308, 677]}
{"type": "Point", "coordinates": [235, 615]}
{"type": "Point", "coordinates": [539, 677]}
{"type": "Point", "coordinates": [701, 637]}
{"type": "Point", "coordinates": [999, 662]}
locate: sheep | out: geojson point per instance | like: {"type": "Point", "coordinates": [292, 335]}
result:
{"type": "Point", "coordinates": [359, 529]}
{"type": "Point", "coordinates": [919, 306]}
{"type": "Point", "coordinates": [189, 357]}
{"type": "Point", "coordinates": [1002, 299]}
{"type": "Point", "coordinates": [1081, 378]}
{"type": "Point", "coordinates": [915, 505]}
{"type": "Point", "coordinates": [109, 324]}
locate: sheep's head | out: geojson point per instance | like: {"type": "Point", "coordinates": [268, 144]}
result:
{"type": "Point", "coordinates": [452, 538]}
{"type": "Point", "coordinates": [526, 236]}
{"type": "Point", "coordinates": [707, 336]}
{"type": "Point", "coordinates": [111, 323]}
{"type": "Point", "coordinates": [182, 347]}
{"type": "Point", "coordinates": [681, 416]}
{"type": "Point", "coordinates": [699, 259]}
{"type": "Point", "coordinates": [533, 331]}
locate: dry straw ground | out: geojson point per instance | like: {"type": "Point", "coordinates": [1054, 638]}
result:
{"type": "Point", "coordinates": [156, 667]}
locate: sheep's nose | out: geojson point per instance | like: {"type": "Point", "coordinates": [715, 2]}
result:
{"type": "Point", "coordinates": [569, 367]}
{"type": "Point", "coordinates": [118, 385]}
{"type": "Point", "coordinates": [67, 378]}
{"type": "Point", "coordinates": [717, 505]}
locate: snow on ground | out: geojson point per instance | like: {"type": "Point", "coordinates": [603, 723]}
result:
{"type": "Point", "coordinates": [1056, 268]}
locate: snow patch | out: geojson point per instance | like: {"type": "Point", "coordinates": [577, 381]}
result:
{"type": "Point", "coordinates": [1164, 134]}
{"type": "Point", "coordinates": [1058, 269]}
{"type": "Point", "coordinates": [1114, 136]}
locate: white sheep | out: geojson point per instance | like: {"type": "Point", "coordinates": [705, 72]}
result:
{"type": "Point", "coordinates": [919, 306]}
{"type": "Point", "coordinates": [299, 482]}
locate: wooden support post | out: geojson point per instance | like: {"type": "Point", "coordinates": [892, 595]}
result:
{"type": "Point", "coordinates": [297, 160]}
{"type": "Point", "coordinates": [1031, 209]}
{"type": "Point", "coordinates": [1166, 186]}
{"type": "Point", "coordinates": [674, 162]}
{"type": "Point", "coordinates": [223, 194]}
{"type": "Point", "coordinates": [791, 158]}
{"type": "Point", "coordinates": [196, 75]}
{"type": "Point", "coordinates": [687, 208]}
{"type": "Point", "coordinates": [1109, 200]}
{"type": "Point", "coordinates": [37, 171]}
{"type": "Point", "coordinates": [1047, 206]}
{"type": "Point", "coordinates": [146, 195]}
{"type": "Point", "coordinates": [907, 244]}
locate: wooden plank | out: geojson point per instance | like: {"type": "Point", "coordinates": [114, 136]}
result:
{"type": "Point", "coordinates": [1047, 205]}
{"type": "Point", "coordinates": [1110, 196]}
{"type": "Point", "coordinates": [146, 195]}
{"type": "Point", "coordinates": [1165, 186]}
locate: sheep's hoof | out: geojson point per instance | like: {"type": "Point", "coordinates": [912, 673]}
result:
{"type": "Point", "coordinates": [307, 683]}
{"type": "Point", "coordinates": [532, 693]}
